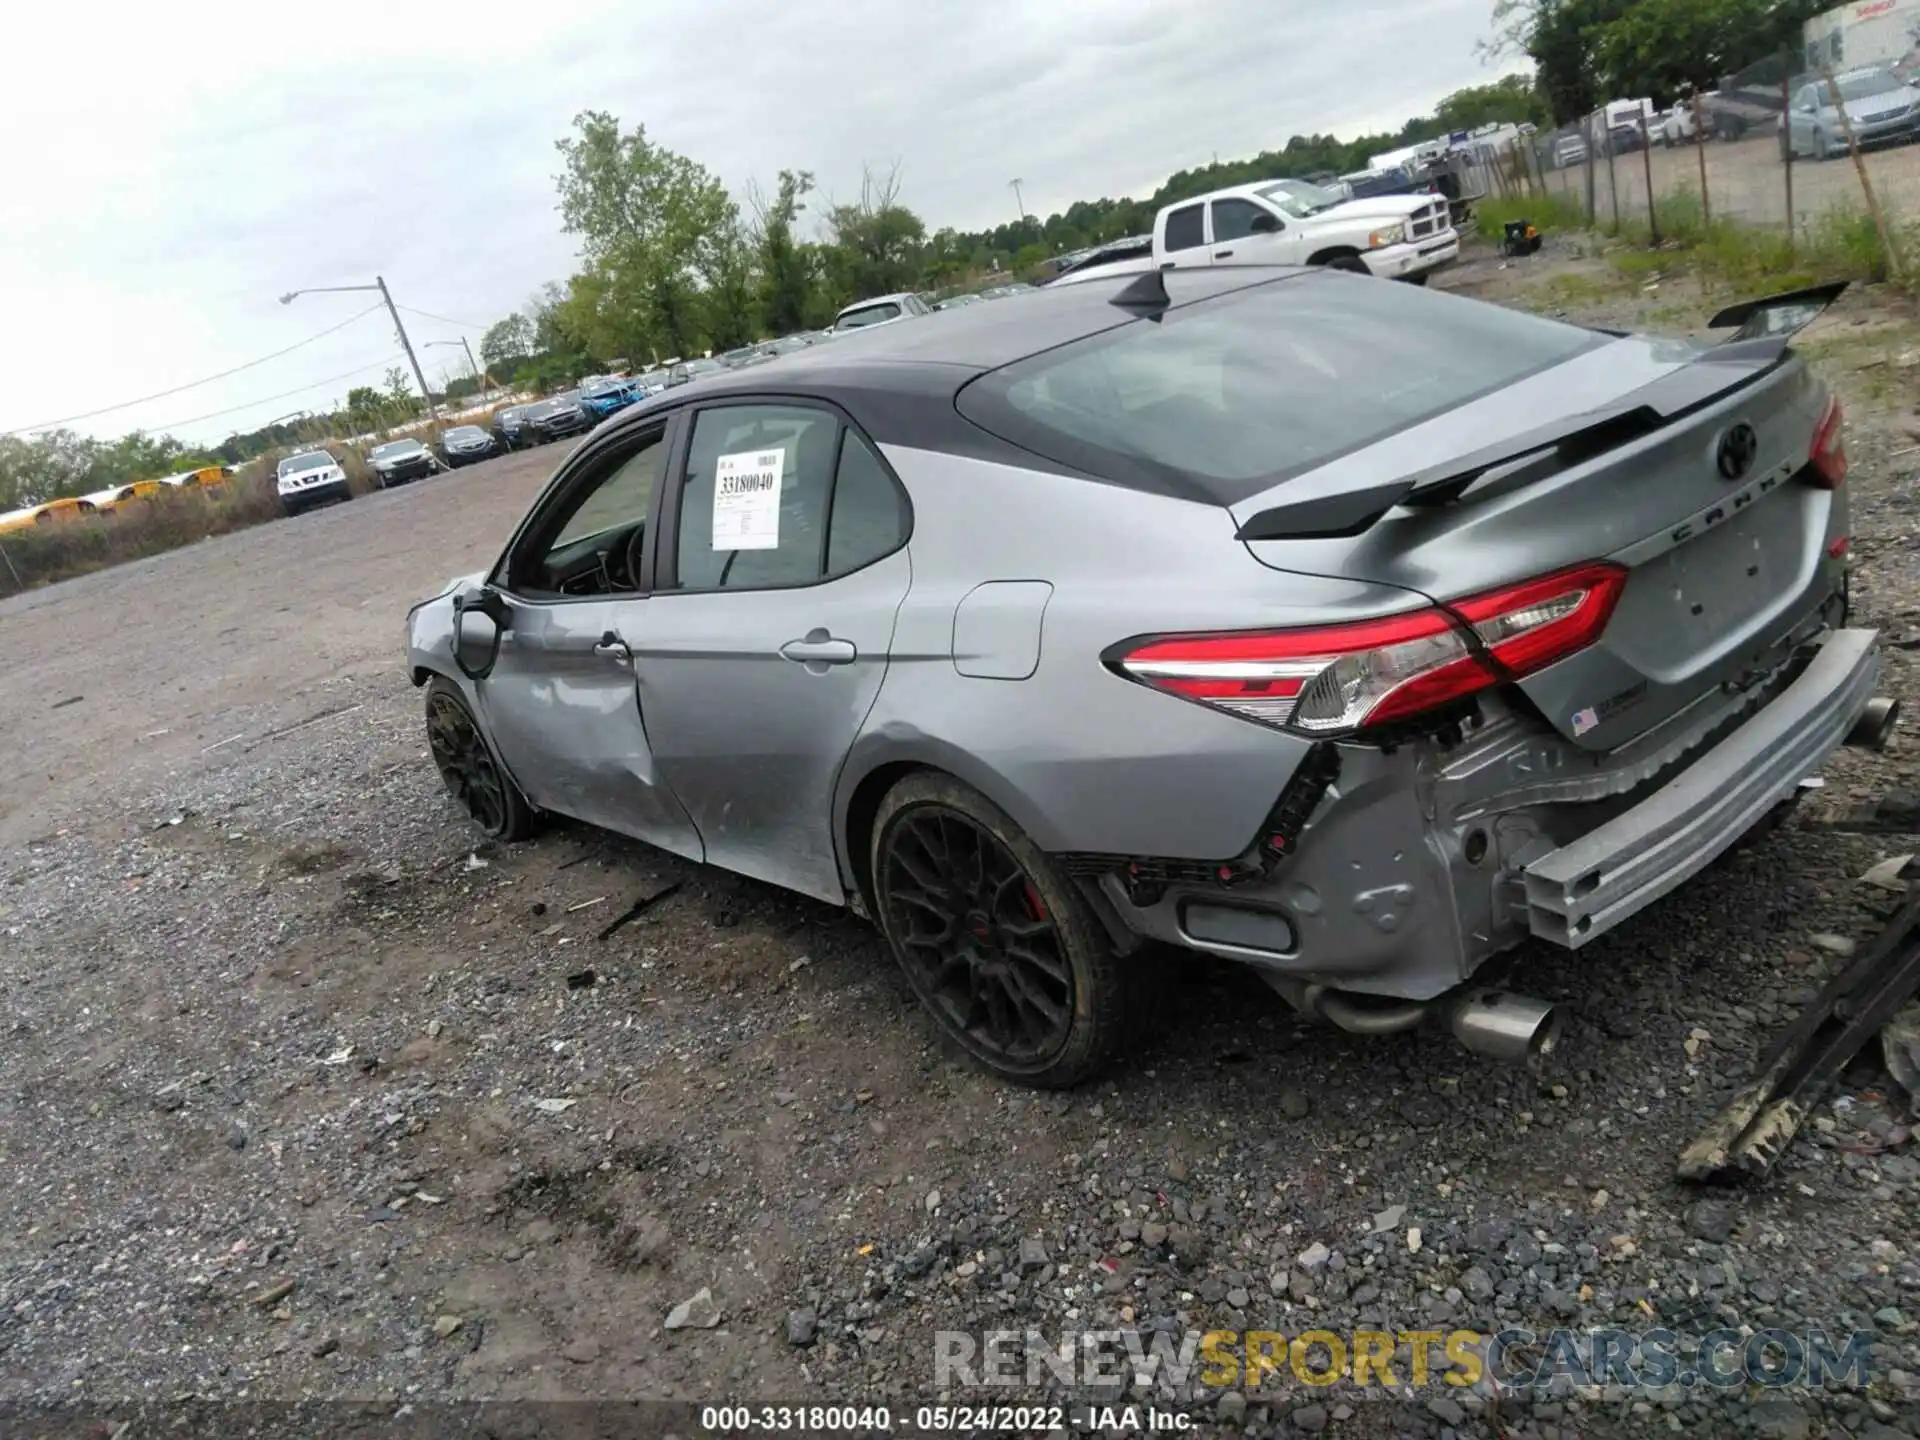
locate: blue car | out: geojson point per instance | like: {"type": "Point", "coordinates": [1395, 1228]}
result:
{"type": "Point", "coordinates": [601, 398]}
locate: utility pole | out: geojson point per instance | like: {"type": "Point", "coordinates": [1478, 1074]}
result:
{"type": "Point", "coordinates": [407, 345]}
{"type": "Point", "coordinates": [1019, 204]}
{"type": "Point", "coordinates": [380, 284]}
{"type": "Point", "coordinates": [485, 377]}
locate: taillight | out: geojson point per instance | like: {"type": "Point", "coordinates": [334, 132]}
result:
{"type": "Point", "coordinates": [1339, 678]}
{"type": "Point", "coordinates": [1828, 452]}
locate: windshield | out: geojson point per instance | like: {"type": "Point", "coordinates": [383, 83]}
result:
{"type": "Point", "coordinates": [1860, 85]}
{"type": "Point", "coordinates": [1230, 395]}
{"type": "Point", "coordinates": [1299, 199]}
{"type": "Point", "coordinates": [873, 315]}
{"type": "Point", "coordinates": [393, 448]}
{"type": "Point", "coordinates": [294, 464]}
{"type": "Point", "coordinates": [466, 432]}
{"type": "Point", "coordinates": [602, 387]}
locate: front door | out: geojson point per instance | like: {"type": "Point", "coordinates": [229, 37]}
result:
{"type": "Point", "coordinates": [1244, 233]}
{"type": "Point", "coordinates": [560, 702]}
{"type": "Point", "coordinates": [770, 628]}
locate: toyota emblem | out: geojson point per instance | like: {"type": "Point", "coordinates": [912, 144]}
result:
{"type": "Point", "coordinates": [1738, 449]}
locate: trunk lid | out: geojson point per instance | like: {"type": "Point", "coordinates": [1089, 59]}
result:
{"type": "Point", "coordinates": [1723, 568]}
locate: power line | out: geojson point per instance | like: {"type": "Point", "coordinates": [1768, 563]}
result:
{"type": "Point", "coordinates": [194, 384]}
{"type": "Point", "coordinates": [444, 320]}
{"type": "Point", "coordinates": [283, 395]}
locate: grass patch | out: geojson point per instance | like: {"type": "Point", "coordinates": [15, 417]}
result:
{"type": "Point", "coordinates": [1841, 243]}
{"type": "Point", "coordinates": [1549, 212]}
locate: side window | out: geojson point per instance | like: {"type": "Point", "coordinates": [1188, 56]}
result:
{"type": "Point", "coordinates": [869, 516]}
{"type": "Point", "coordinates": [587, 544]}
{"type": "Point", "coordinates": [1233, 219]}
{"type": "Point", "coordinates": [753, 511]}
{"type": "Point", "coordinates": [1184, 230]}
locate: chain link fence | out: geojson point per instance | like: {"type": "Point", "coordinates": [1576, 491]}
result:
{"type": "Point", "coordinates": [1812, 147]}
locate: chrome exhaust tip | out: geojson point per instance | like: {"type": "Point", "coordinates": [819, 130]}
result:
{"type": "Point", "coordinates": [1876, 724]}
{"type": "Point", "coordinates": [1504, 1026]}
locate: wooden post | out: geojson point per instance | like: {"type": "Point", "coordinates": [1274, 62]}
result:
{"type": "Point", "coordinates": [1586, 127]}
{"type": "Point", "coordinates": [1786, 140]}
{"type": "Point", "coordinates": [1866, 183]}
{"type": "Point", "coordinates": [1646, 156]}
{"type": "Point", "coordinates": [1613, 179]}
{"type": "Point", "coordinates": [1700, 149]}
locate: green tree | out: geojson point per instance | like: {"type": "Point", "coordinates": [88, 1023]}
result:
{"type": "Point", "coordinates": [648, 219]}
{"type": "Point", "coordinates": [731, 309]}
{"type": "Point", "coordinates": [507, 341]}
{"type": "Point", "coordinates": [876, 241]}
{"type": "Point", "coordinates": [1510, 100]}
{"type": "Point", "coordinates": [1666, 48]}
{"type": "Point", "coordinates": [787, 275]}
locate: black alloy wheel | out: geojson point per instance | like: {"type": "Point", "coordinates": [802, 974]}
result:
{"type": "Point", "coordinates": [995, 943]}
{"type": "Point", "coordinates": [473, 777]}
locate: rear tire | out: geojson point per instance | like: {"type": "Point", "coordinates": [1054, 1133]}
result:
{"type": "Point", "coordinates": [467, 765]}
{"type": "Point", "coordinates": [997, 944]}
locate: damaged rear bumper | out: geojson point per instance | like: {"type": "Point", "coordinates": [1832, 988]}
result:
{"type": "Point", "coordinates": [1587, 887]}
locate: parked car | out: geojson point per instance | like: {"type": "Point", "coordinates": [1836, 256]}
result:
{"type": "Point", "coordinates": [651, 383]}
{"type": "Point", "coordinates": [1311, 697]}
{"type": "Point", "coordinates": [1289, 222]}
{"type": "Point", "coordinates": [955, 302]}
{"type": "Point", "coordinates": [601, 398]}
{"type": "Point", "coordinates": [558, 416]}
{"type": "Point", "coordinates": [309, 478]}
{"type": "Point", "coordinates": [398, 461]}
{"type": "Point", "coordinates": [1569, 150]}
{"type": "Point", "coordinates": [510, 425]}
{"type": "Point", "coordinates": [690, 370]}
{"type": "Point", "coordinates": [879, 310]}
{"type": "Point", "coordinates": [1881, 109]}
{"type": "Point", "coordinates": [467, 445]}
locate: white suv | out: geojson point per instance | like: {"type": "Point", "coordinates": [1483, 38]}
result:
{"type": "Point", "coordinates": [313, 477]}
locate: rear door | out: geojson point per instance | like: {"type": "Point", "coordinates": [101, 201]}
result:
{"type": "Point", "coordinates": [782, 565]}
{"type": "Point", "coordinates": [1183, 236]}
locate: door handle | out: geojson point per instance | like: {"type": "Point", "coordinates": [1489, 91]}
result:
{"type": "Point", "coordinates": [820, 648]}
{"type": "Point", "coordinates": [614, 648]}
{"type": "Point", "coordinates": [1223, 254]}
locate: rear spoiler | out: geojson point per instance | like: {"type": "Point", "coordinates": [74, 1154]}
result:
{"type": "Point", "coordinates": [1764, 328]}
{"type": "Point", "coordinates": [1777, 316]}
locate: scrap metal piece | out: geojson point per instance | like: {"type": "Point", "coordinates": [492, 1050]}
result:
{"type": "Point", "coordinates": [1756, 1126]}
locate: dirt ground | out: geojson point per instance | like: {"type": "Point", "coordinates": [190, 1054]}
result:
{"type": "Point", "coordinates": [302, 1097]}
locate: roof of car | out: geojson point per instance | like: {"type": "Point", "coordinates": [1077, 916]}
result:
{"type": "Point", "coordinates": [941, 351]}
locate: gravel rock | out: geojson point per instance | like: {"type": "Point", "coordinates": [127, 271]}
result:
{"type": "Point", "coordinates": [1230, 1408]}
{"type": "Point", "coordinates": [582, 1350]}
{"type": "Point", "coordinates": [1711, 1220]}
{"type": "Point", "coordinates": [698, 1312]}
{"type": "Point", "coordinates": [802, 1326]}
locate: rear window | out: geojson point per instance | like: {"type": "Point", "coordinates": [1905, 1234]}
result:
{"type": "Point", "coordinates": [1218, 399]}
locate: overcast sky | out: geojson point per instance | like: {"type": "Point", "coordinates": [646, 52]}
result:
{"type": "Point", "coordinates": [175, 168]}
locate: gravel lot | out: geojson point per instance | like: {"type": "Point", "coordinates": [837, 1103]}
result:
{"type": "Point", "coordinates": [304, 1097]}
{"type": "Point", "coordinates": [1746, 180]}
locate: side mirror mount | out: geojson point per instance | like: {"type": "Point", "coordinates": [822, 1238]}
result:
{"type": "Point", "coordinates": [1265, 223]}
{"type": "Point", "coordinates": [479, 618]}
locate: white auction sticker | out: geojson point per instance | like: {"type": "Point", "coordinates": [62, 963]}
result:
{"type": "Point", "coordinates": [746, 500]}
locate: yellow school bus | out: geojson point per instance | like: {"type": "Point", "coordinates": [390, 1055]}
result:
{"type": "Point", "coordinates": [205, 475]}
{"type": "Point", "coordinates": [52, 512]}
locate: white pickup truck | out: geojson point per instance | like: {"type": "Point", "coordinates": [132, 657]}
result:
{"type": "Point", "coordinates": [1289, 222]}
